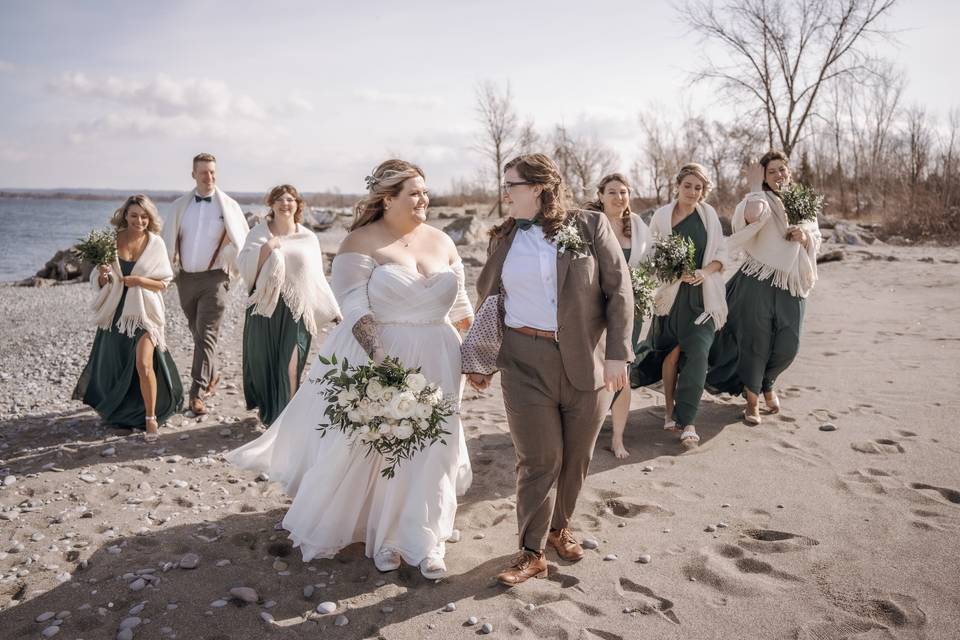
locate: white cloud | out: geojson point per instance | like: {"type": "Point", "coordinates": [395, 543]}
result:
{"type": "Point", "coordinates": [6, 65]}
{"type": "Point", "coordinates": [376, 97]}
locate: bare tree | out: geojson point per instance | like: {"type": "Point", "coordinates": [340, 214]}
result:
{"type": "Point", "coordinates": [782, 55]}
{"type": "Point", "coordinates": [499, 126]}
{"type": "Point", "coordinates": [582, 158]}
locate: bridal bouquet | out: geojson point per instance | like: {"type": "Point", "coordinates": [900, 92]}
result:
{"type": "Point", "coordinates": [385, 407]}
{"type": "Point", "coordinates": [673, 256]}
{"type": "Point", "coordinates": [98, 248]}
{"type": "Point", "coordinates": [801, 203]}
{"type": "Point", "coordinates": [644, 284]}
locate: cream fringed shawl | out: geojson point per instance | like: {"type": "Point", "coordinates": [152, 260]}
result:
{"type": "Point", "coordinates": [640, 240]}
{"type": "Point", "coordinates": [769, 254]}
{"type": "Point", "coordinates": [714, 291]}
{"type": "Point", "coordinates": [142, 308]}
{"type": "Point", "coordinates": [294, 270]}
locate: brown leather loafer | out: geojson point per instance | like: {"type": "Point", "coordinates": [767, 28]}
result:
{"type": "Point", "coordinates": [212, 386]}
{"type": "Point", "coordinates": [566, 545]}
{"type": "Point", "coordinates": [525, 566]}
{"type": "Point", "coordinates": [197, 407]}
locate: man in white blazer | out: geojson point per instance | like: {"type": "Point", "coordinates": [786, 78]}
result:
{"type": "Point", "coordinates": [204, 235]}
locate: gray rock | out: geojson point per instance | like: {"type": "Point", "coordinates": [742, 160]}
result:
{"type": "Point", "coordinates": [280, 565]}
{"type": "Point", "coordinates": [589, 543]}
{"type": "Point", "coordinates": [50, 631]}
{"type": "Point", "coordinates": [219, 603]}
{"type": "Point", "coordinates": [610, 557]}
{"type": "Point", "coordinates": [326, 608]}
{"type": "Point", "coordinates": [130, 623]}
{"type": "Point", "coordinates": [486, 628]}
{"type": "Point", "coordinates": [109, 452]}
{"type": "Point", "coordinates": [828, 426]}
{"type": "Point", "coordinates": [9, 481]}
{"type": "Point", "coordinates": [341, 621]}
{"type": "Point", "coordinates": [466, 230]}
{"type": "Point", "coordinates": [89, 478]}
{"type": "Point", "coordinates": [46, 615]}
{"type": "Point", "coordinates": [451, 606]}
{"type": "Point", "coordinates": [189, 561]}
{"type": "Point", "coordinates": [246, 594]}
{"type": "Point", "coordinates": [308, 591]}
{"type": "Point", "coordinates": [644, 558]}
{"type": "Point", "coordinates": [710, 528]}
{"type": "Point", "coordinates": [125, 634]}
{"type": "Point", "coordinates": [472, 620]}
{"type": "Point", "coordinates": [138, 584]}
{"type": "Point", "coordinates": [266, 616]}
{"type": "Point", "coordinates": [722, 525]}
{"type": "Point", "coordinates": [136, 610]}
{"type": "Point", "coordinates": [454, 536]}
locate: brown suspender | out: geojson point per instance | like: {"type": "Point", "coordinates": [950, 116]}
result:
{"type": "Point", "coordinates": [219, 246]}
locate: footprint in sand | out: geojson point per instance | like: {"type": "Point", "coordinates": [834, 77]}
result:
{"type": "Point", "coordinates": [647, 601]}
{"type": "Point", "coordinates": [624, 508]}
{"type": "Point", "coordinates": [878, 446]}
{"type": "Point", "coordinates": [732, 573]}
{"type": "Point", "coordinates": [771, 541]}
{"type": "Point", "coordinates": [887, 612]}
{"type": "Point", "coordinates": [950, 495]}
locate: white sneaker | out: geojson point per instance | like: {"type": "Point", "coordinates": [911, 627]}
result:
{"type": "Point", "coordinates": [386, 560]}
{"type": "Point", "coordinates": [433, 568]}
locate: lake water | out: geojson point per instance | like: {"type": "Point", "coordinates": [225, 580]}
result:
{"type": "Point", "coordinates": [34, 229]}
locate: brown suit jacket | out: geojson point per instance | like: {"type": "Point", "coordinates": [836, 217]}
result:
{"type": "Point", "coordinates": [594, 298]}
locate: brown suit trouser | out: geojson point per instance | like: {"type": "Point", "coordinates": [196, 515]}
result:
{"type": "Point", "coordinates": [554, 427]}
{"type": "Point", "coordinates": [203, 296]}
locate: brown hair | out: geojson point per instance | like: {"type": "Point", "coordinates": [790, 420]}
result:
{"type": "Point", "coordinates": [282, 189]}
{"type": "Point", "coordinates": [539, 169]}
{"type": "Point", "coordinates": [699, 172]}
{"type": "Point", "coordinates": [203, 157]}
{"type": "Point", "coordinates": [597, 204]}
{"type": "Point", "coordinates": [385, 181]}
{"type": "Point", "coordinates": [119, 218]}
{"type": "Point", "coordinates": [769, 157]}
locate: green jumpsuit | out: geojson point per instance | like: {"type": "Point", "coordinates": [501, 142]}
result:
{"type": "Point", "coordinates": [761, 337]}
{"type": "Point", "coordinates": [268, 344]}
{"type": "Point", "coordinates": [110, 384]}
{"type": "Point", "coordinates": [680, 328]}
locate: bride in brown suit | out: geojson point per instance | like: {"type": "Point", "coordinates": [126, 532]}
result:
{"type": "Point", "coordinates": [567, 315]}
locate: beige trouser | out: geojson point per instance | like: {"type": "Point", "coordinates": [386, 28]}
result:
{"type": "Point", "coordinates": [554, 427]}
{"type": "Point", "coordinates": [203, 296]}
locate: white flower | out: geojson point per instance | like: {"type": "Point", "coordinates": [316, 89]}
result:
{"type": "Point", "coordinates": [374, 390]}
{"type": "Point", "coordinates": [416, 382]}
{"type": "Point", "coordinates": [403, 430]}
{"type": "Point", "coordinates": [403, 405]}
{"type": "Point", "coordinates": [355, 415]}
{"type": "Point", "coordinates": [388, 393]}
{"type": "Point", "coordinates": [347, 398]}
{"type": "Point", "coordinates": [387, 429]}
{"type": "Point", "coordinates": [436, 396]}
{"type": "Point", "coordinates": [424, 411]}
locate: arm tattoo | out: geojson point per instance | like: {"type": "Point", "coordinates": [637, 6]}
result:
{"type": "Point", "coordinates": [367, 334]}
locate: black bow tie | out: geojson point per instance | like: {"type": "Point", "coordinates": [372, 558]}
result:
{"type": "Point", "coordinates": [525, 223]}
{"type": "Point", "coordinates": [199, 198]}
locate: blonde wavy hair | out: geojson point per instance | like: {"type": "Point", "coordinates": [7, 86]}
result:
{"type": "Point", "coordinates": [119, 218]}
{"type": "Point", "coordinates": [386, 181]}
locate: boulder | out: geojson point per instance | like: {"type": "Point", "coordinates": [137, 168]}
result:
{"type": "Point", "coordinates": [319, 219]}
{"type": "Point", "coordinates": [467, 230]}
{"type": "Point", "coordinates": [831, 256]}
{"type": "Point", "coordinates": [65, 266]}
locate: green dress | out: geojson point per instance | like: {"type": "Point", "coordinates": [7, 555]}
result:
{"type": "Point", "coordinates": [761, 337]}
{"type": "Point", "coordinates": [267, 346]}
{"type": "Point", "coordinates": [110, 383]}
{"type": "Point", "coordinates": [637, 319]}
{"type": "Point", "coordinates": [679, 328]}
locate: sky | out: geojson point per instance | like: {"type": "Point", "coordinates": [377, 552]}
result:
{"type": "Point", "coordinates": [110, 94]}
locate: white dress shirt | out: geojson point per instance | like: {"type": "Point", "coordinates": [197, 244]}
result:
{"type": "Point", "coordinates": [530, 281]}
{"type": "Point", "coordinates": [201, 229]}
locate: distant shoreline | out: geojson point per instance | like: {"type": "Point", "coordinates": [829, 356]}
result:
{"type": "Point", "coordinates": [107, 195]}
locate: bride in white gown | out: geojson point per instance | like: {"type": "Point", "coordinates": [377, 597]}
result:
{"type": "Point", "coordinates": [400, 285]}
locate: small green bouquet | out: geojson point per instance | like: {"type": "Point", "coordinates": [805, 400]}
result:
{"type": "Point", "coordinates": [673, 257]}
{"type": "Point", "coordinates": [385, 407]}
{"type": "Point", "coordinates": [99, 247]}
{"type": "Point", "coordinates": [644, 284]}
{"type": "Point", "coordinates": [801, 203]}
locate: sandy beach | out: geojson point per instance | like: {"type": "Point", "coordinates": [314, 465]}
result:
{"type": "Point", "coordinates": [779, 531]}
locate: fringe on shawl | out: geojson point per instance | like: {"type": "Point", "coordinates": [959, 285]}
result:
{"type": "Point", "coordinates": [788, 280]}
{"type": "Point", "coordinates": [129, 326]}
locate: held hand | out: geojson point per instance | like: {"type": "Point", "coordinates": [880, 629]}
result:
{"type": "Point", "coordinates": [132, 281]}
{"type": "Point", "coordinates": [463, 325]}
{"type": "Point", "coordinates": [614, 374]}
{"type": "Point", "coordinates": [479, 381]}
{"type": "Point", "coordinates": [104, 269]}
{"type": "Point", "coordinates": [695, 278]}
{"type": "Point", "coordinates": [796, 234]}
{"type": "Point", "coordinates": [755, 176]}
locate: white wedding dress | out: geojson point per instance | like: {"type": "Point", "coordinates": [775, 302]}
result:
{"type": "Point", "coordinates": [339, 496]}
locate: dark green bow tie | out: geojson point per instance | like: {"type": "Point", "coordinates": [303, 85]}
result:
{"type": "Point", "coordinates": [525, 223]}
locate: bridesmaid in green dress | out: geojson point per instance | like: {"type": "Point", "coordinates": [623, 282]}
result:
{"type": "Point", "coordinates": [678, 343]}
{"type": "Point", "coordinates": [289, 301]}
{"type": "Point", "coordinates": [613, 199]}
{"type": "Point", "coordinates": [130, 379]}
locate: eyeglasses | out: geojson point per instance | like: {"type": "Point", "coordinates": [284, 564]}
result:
{"type": "Point", "coordinates": [509, 185]}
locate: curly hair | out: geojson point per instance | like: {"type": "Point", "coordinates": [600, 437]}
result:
{"type": "Point", "coordinates": [539, 169]}
{"type": "Point", "coordinates": [385, 181]}
{"type": "Point", "coordinates": [119, 218]}
{"type": "Point", "coordinates": [597, 203]}
{"type": "Point", "coordinates": [769, 157]}
{"type": "Point", "coordinates": [282, 189]}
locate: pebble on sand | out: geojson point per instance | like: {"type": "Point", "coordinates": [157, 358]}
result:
{"type": "Point", "coordinates": [266, 616]}
{"type": "Point", "coordinates": [88, 478]}
{"type": "Point", "coordinates": [610, 557]}
{"type": "Point", "coordinates": [125, 634]}
{"type": "Point", "coordinates": [216, 604]}
{"type": "Point", "coordinates": [46, 615]}
{"type": "Point", "coordinates": [644, 559]}
{"type": "Point", "coordinates": [50, 631]}
{"type": "Point", "coordinates": [710, 528]}
{"type": "Point", "coordinates": [130, 623]}
{"type": "Point", "coordinates": [486, 628]}
{"type": "Point", "coordinates": [451, 606]}
{"type": "Point", "coordinates": [828, 426]}
{"type": "Point", "coordinates": [341, 621]}
{"type": "Point", "coordinates": [308, 591]}
{"type": "Point", "coordinates": [326, 608]}
{"type": "Point", "coordinates": [189, 561]}
{"type": "Point", "coordinates": [138, 584]}
{"type": "Point", "coordinates": [246, 594]}
{"type": "Point", "coordinates": [589, 543]}
{"type": "Point", "coordinates": [472, 620]}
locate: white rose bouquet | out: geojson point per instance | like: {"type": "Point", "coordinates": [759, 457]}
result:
{"type": "Point", "coordinates": [385, 407]}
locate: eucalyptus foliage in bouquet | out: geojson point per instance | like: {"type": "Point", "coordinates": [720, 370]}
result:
{"type": "Point", "coordinates": [644, 284]}
{"type": "Point", "coordinates": [99, 247]}
{"type": "Point", "coordinates": [384, 407]}
{"type": "Point", "coordinates": [673, 256]}
{"type": "Point", "coordinates": [801, 203]}
{"type": "Point", "coordinates": [568, 239]}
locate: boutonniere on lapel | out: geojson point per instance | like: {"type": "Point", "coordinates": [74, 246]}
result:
{"type": "Point", "coordinates": [568, 238]}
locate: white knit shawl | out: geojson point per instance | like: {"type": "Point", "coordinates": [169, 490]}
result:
{"type": "Point", "coordinates": [294, 270]}
{"type": "Point", "coordinates": [769, 254]}
{"type": "Point", "coordinates": [640, 240]}
{"type": "Point", "coordinates": [142, 308]}
{"type": "Point", "coordinates": [234, 223]}
{"type": "Point", "coordinates": [714, 292]}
